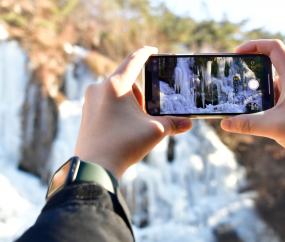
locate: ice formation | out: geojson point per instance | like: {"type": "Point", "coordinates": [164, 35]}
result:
{"type": "Point", "coordinates": [22, 195]}
{"type": "Point", "coordinates": [13, 80]}
{"type": "Point", "coordinates": [218, 93]}
{"type": "Point", "coordinates": [179, 201]}
{"type": "Point", "coordinates": [77, 79]}
{"type": "Point", "coordinates": [186, 199]}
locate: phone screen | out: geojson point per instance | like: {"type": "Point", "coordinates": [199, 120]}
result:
{"type": "Point", "coordinates": [206, 85]}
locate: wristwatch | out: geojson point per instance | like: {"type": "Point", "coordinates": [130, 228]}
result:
{"type": "Point", "coordinates": [76, 170]}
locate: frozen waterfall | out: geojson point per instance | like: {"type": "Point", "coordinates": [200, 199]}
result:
{"type": "Point", "coordinates": [22, 194]}
{"type": "Point", "coordinates": [13, 79]}
{"type": "Point", "coordinates": [186, 199]}
{"type": "Point", "coordinates": [209, 90]}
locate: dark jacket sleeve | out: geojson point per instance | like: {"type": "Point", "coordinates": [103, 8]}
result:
{"type": "Point", "coordinates": [82, 212]}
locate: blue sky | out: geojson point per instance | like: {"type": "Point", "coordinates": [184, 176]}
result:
{"type": "Point", "coordinates": [266, 14]}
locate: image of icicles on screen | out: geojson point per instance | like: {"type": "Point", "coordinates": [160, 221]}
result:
{"type": "Point", "coordinates": [210, 85]}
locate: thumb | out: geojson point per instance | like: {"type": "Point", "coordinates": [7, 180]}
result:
{"type": "Point", "coordinates": [175, 125]}
{"type": "Point", "coordinates": [255, 124]}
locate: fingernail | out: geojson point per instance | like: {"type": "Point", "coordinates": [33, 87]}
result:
{"type": "Point", "coordinates": [237, 49]}
{"type": "Point", "coordinates": [184, 125]}
{"type": "Point", "coordinates": [155, 49]}
{"type": "Point", "coordinates": [227, 124]}
{"type": "Point", "coordinates": [259, 113]}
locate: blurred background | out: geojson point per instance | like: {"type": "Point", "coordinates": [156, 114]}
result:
{"type": "Point", "coordinates": [204, 185]}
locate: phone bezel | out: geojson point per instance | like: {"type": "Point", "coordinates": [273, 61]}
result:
{"type": "Point", "coordinates": [268, 68]}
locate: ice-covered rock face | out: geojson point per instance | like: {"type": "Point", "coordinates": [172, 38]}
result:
{"type": "Point", "coordinates": [13, 79]}
{"type": "Point", "coordinates": [187, 198]}
{"type": "Point", "coordinates": [22, 194]}
{"type": "Point", "coordinates": [219, 90]}
{"type": "Point", "coordinates": [77, 80]}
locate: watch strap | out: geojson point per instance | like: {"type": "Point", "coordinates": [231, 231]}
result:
{"type": "Point", "coordinates": [113, 179]}
{"type": "Point", "coordinates": [95, 173]}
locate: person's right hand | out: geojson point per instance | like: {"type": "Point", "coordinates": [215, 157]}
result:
{"type": "Point", "coordinates": [270, 123]}
{"type": "Point", "coordinates": [115, 132]}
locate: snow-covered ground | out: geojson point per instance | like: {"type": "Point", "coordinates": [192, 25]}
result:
{"type": "Point", "coordinates": [184, 200]}
{"type": "Point", "coordinates": [22, 198]}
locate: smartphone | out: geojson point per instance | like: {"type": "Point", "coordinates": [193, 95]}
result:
{"type": "Point", "coordinates": [207, 85]}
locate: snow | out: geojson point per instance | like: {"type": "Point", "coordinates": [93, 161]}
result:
{"type": "Point", "coordinates": [181, 201]}
{"type": "Point", "coordinates": [22, 198]}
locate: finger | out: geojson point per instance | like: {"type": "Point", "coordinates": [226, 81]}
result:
{"type": "Point", "coordinates": [128, 71]}
{"type": "Point", "coordinates": [273, 48]}
{"type": "Point", "coordinates": [175, 125]}
{"type": "Point", "coordinates": [276, 90]}
{"type": "Point", "coordinates": [138, 94]}
{"type": "Point", "coordinates": [255, 124]}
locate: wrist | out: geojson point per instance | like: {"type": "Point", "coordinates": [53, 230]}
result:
{"type": "Point", "coordinates": [108, 162]}
{"type": "Point", "coordinates": [76, 170]}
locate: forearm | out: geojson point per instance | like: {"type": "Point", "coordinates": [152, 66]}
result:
{"type": "Point", "coordinates": [81, 212]}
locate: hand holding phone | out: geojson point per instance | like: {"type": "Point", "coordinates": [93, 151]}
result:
{"type": "Point", "coordinates": [270, 123]}
{"type": "Point", "coordinates": [115, 132]}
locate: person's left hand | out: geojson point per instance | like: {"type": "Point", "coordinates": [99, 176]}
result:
{"type": "Point", "coordinates": [115, 132]}
{"type": "Point", "coordinates": [269, 123]}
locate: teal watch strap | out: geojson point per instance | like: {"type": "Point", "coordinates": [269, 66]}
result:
{"type": "Point", "coordinates": [92, 172]}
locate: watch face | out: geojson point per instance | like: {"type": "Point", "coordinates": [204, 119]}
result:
{"type": "Point", "coordinates": [63, 176]}
{"type": "Point", "coordinates": [59, 177]}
